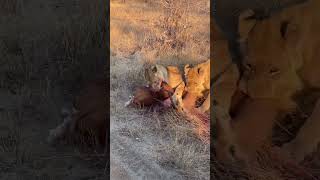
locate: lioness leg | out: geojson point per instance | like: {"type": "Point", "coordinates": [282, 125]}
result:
{"type": "Point", "coordinates": [307, 138]}
{"type": "Point", "coordinates": [227, 147]}
{"type": "Point", "coordinates": [225, 143]}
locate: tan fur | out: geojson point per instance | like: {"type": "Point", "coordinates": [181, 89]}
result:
{"type": "Point", "coordinates": [253, 126]}
{"type": "Point", "coordinates": [223, 90]}
{"type": "Point", "coordinates": [197, 83]}
{"type": "Point", "coordinates": [198, 77]}
{"type": "Point", "coordinates": [157, 73]}
{"type": "Point", "coordinates": [283, 52]}
{"type": "Point", "coordinates": [225, 136]}
{"type": "Point", "coordinates": [205, 107]}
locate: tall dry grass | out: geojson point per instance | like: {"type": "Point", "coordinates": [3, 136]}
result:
{"type": "Point", "coordinates": [162, 29]}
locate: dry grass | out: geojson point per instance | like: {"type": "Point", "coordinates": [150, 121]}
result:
{"type": "Point", "coordinates": [169, 139]}
{"type": "Point", "coordinates": [169, 33]}
{"type": "Point", "coordinates": [177, 28]}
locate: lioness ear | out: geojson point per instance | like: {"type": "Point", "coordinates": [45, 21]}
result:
{"type": "Point", "coordinates": [289, 31]}
{"type": "Point", "coordinates": [154, 69]}
{"type": "Point", "coordinates": [186, 69]}
{"type": "Point", "coordinates": [245, 24]}
{"type": "Point", "coordinates": [200, 71]}
{"type": "Point", "coordinates": [146, 74]}
{"type": "Point", "coordinates": [291, 34]}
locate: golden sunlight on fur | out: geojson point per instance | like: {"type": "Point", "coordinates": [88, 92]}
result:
{"type": "Point", "coordinates": [282, 60]}
{"type": "Point", "coordinates": [223, 90]}
{"type": "Point", "coordinates": [197, 84]}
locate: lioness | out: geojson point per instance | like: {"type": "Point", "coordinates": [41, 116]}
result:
{"type": "Point", "coordinates": [224, 85]}
{"type": "Point", "coordinates": [197, 84]}
{"type": "Point", "coordinates": [282, 55]}
{"type": "Point", "coordinates": [252, 126]}
{"type": "Point", "coordinates": [156, 74]}
{"type": "Point", "coordinates": [186, 93]}
{"type": "Point", "coordinates": [88, 118]}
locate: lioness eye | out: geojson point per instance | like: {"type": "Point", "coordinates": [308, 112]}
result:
{"type": "Point", "coordinates": [249, 68]}
{"type": "Point", "coordinates": [274, 71]}
{"type": "Point", "coordinates": [283, 28]}
{"type": "Point", "coordinates": [154, 69]}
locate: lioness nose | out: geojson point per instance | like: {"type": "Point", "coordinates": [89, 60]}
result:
{"type": "Point", "coordinates": [243, 85]}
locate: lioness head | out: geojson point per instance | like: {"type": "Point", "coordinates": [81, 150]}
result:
{"type": "Point", "coordinates": [154, 75]}
{"type": "Point", "coordinates": [197, 83]}
{"type": "Point", "coordinates": [271, 60]}
{"type": "Point", "coordinates": [197, 77]}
